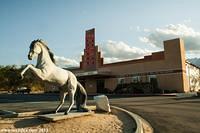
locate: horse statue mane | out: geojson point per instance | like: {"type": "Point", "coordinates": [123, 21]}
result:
{"type": "Point", "coordinates": [45, 45]}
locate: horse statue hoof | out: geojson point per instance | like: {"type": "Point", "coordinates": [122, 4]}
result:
{"type": "Point", "coordinates": [21, 77]}
{"type": "Point", "coordinates": [66, 113]}
{"type": "Point", "coordinates": [83, 110]}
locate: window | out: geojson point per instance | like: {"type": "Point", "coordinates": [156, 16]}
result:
{"type": "Point", "coordinates": [151, 77]}
{"type": "Point", "coordinates": [136, 79]}
{"type": "Point", "coordinates": [121, 81]}
{"type": "Point", "coordinates": [153, 80]}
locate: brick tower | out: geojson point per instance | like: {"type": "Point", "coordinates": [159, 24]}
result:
{"type": "Point", "coordinates": [91, 59]}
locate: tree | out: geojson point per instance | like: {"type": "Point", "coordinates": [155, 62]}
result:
{"type": "Point", "coordinates": [10, 79]}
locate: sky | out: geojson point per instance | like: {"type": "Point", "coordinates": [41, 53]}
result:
{"type": "Point", "coordinates": [125, 29]}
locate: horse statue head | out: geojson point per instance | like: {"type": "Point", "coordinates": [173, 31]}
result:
{"type": "Point", "coordinates": [36, 48]}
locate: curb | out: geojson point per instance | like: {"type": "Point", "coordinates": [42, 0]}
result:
{"type": "Point", "coordinates": [7, 114]}
{"type": "Point", "coordinates": [186, 95]}
{"type": "Point", "coordinates": [142, 125]}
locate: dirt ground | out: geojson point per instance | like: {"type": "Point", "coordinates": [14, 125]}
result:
{"type": "Point", "coordinates": [95, 123]}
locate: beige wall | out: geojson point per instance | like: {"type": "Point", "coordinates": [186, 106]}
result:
{"type": "Point", "coordinates": [174, 59]}
{"type": "Point", "coordinates": [170, 82]}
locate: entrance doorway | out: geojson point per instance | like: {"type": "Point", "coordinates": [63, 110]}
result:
{"type": "Point", "coordinates": [82, 83]}
{"type": "Point", "coordinates": [100, 85]}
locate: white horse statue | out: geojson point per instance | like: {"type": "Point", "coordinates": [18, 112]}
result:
{"type": "Point", "coordinates": [46, 70]}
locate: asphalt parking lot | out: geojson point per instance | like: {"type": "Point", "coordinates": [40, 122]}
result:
{"type": "Point", "coordinates": [166, 114]}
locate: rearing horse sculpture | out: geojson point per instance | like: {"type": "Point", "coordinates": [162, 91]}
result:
{"type": "Point", "coordinates": [47, 70]}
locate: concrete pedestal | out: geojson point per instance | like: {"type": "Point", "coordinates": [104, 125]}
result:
{"type": "Point", "coordinates": [61, 116]}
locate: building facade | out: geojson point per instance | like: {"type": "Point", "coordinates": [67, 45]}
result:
{"type": "Point", "coordinates": [193, 74]}
{"type": "Point", "coordinates": [164, 70]}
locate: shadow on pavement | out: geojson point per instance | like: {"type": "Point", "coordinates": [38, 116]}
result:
{"type": "Point", "coordinates": [30, 122]}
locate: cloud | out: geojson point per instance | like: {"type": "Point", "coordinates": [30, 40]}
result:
{"type": "Point", "coordinates": [65, 62]}
{"type": "Point", "coordinates": [146, 40]}
{"type": "Point", "coordinates": [117, 51]}
{"type": "Point", "coordinates": [112, 52]}
{"type": "Point", "coordinates": [138, 28]}
{"type": "Point", "coordinates": [187, 20]}
{"type": "Point", "coordinates": [111, 59]}
{"type": "Point", "coordinates": [157, 36]}
{"type": "Point", "coordinates": [146, 30]}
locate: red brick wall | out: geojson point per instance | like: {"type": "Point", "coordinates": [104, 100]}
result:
{"type": "Point", "coordinates": [91, 58]}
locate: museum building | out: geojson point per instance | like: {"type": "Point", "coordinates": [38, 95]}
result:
{"type": "Point", "coordinates": [165, 71]}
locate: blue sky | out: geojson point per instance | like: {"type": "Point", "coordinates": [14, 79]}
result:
{"type": "Point", "coordinates": [135, 27]}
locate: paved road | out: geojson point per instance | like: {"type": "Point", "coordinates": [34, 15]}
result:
{"type": "Point", "coordinates": [166, 114]}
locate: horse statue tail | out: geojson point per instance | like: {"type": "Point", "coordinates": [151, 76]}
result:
{"type": "Point", "coordinates": [81, 98]}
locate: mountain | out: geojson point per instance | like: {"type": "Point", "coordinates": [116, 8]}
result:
{"type": "Point", "coordinates": [195, 61]}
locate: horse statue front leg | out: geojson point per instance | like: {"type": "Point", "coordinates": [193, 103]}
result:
{"type": "Point", "coordinates": [35, 70]}
{"type": "Point", "coordinates": [25, 69]}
